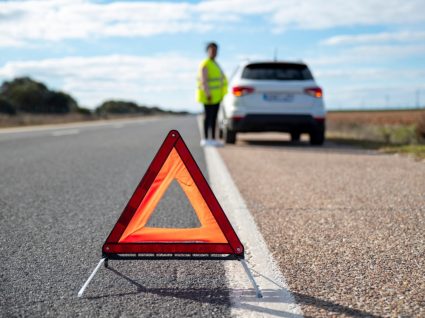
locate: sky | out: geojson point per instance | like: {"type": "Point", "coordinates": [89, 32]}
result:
{"type": "Point", "coordinates": [364, 54]}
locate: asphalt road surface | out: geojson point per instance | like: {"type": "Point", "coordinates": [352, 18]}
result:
{"type": "Point", "coordinates": [61, 192]}
{"type": "Point", "coordinates": [344, 225]}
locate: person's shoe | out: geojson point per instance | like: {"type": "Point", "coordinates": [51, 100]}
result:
{"type": "Point", "coordinates": [204, 142]}
{"type": "Point", "coordinates": [209, 143]}
{"type": "Point", "coordinates": [216, 143]}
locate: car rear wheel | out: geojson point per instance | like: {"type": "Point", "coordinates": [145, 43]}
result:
{"type": "Point", "coordinates": [317, 138]}
{"type": "Point", "coordinates": [295, 137]}
{"type": "Point", "coordinates": [229, 136]}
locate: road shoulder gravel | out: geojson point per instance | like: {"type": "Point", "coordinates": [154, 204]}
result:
{"type": "Point", "coordinates": [345, 225]}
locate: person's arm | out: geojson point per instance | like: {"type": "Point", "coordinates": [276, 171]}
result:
{"type": "Point", "coordinates": [205, 82]}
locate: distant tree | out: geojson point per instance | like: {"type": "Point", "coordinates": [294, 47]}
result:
{"type": "Point", "coordinates": [119, 107]}
{"type": "Point", "coordinates": [60, 102]}
{"type": "Point", "coordinates": [156, 110]}
{"type": "Point", "coordinates": [146, 110]}
{"type": "Point", "coordinates": [6, 107]}
{"type": "Point", "coordinates": [126, 107]}
{"type": "Point", "coordinates": [84, 111]}
{"type": "Point", "coordinates": [27, 95]}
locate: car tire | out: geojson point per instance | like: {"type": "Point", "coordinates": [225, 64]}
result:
{"type": "Point", "coordinates": [317, 138]}
{"type": "Point", "coordinates": [295, 137]}
{"type": "Point", "coordinates": [229, 136]}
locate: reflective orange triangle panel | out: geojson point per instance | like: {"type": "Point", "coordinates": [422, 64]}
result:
{"type": "Point", "coordinates": [132, 235]}
{"type": "Point", "coordinates": [137, 231]}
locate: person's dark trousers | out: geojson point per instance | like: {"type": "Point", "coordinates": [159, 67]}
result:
{"type": "Point", "coordinates": [210, 119]}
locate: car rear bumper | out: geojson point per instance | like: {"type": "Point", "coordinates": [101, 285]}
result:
{"type": "Point", "coordinates": [277, 122]}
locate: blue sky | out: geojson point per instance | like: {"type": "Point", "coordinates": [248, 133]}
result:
{"type": "Point", "coordinates": [365, 54]}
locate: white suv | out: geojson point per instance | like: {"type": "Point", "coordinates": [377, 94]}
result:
{"type": "Point", "coordinates": [273, 96]}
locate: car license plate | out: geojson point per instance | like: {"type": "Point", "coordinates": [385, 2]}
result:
{"type": "Point", "coordinates": [278, 97]}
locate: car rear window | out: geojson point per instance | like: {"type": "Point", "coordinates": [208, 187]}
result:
{"type": "Point", "coordinates": [277, 71]}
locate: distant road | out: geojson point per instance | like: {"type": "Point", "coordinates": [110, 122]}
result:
{"type": "Point", "coordinates": [61, 191]}
{"type": "Point", "coordinates": [68, 128]}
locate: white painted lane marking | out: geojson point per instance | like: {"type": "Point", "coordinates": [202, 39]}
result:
{"type": "Point", "coordinates": [65, 132]}
{"type": "Point", "coordinates": [89, 124]}
{"type": "Point", "coordinates": [277, 300]}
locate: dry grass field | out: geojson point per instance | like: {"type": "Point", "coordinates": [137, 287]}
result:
{"type": "Point", "coordinates": [394, 131]}
{"type": "Point", "coordinates": [390, 117]}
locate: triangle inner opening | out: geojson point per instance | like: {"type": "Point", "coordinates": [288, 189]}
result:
{"type": "Point", "coordinates": [174, 210]}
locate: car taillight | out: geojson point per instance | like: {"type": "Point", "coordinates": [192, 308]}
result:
{"type": "Point", "coordinates": [314, 91]}
{"type": "Point", "coordinates": [242, 90]}
{"type": "Point", "coordinates": [237, 117]}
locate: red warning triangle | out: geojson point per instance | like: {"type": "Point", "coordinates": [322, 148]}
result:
{"type": "Point", "coordinates": [131, 235]}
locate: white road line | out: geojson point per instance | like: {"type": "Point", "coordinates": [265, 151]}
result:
{"type": "Point", "coordinates": [97, 123]}
{"type": "Point", "coordinates": [277, 300]}
{"type": "Point", "coordinates": [66, 132]}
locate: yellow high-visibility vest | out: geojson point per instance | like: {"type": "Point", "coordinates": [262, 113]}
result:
{"type": "Point", "coordinates": [217, 83]}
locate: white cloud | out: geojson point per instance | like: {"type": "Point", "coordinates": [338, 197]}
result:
{"type": "Point", "coordinates": [318, 14]}
{"type": "Point", "coordinates": [58, 20]}
{"type": "Point", "coordinates": [25, 21]}
{"type": "Point", "coordinates": [401, 36]}
{"type": "Point", "coordinates": [364, 75]}
{"type": "Point", "coordinates": [366, 54]}
{"type": "Point", "coordinates": [166, 80]}
{"type": "Point", "coordinates": [6, 41]}
{"type": "Point", "coordinates": [367, 77]}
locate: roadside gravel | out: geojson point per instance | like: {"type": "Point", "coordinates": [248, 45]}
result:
{"type": "Point", "coordinates": [345, 225]}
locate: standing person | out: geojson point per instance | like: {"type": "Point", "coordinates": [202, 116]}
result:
{"type": "Point", "coordinates": [212, 86]}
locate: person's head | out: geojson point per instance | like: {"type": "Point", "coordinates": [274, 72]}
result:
{"type": "Point", "coordinates": [212, 50]}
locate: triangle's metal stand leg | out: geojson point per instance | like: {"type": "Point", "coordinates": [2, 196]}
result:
{"type": "Point", "coordinates": [251, 279]}
{"type": "Point", "coordinates": [258, 293]}
{"type": "Point", "coordinates": [80, 293]}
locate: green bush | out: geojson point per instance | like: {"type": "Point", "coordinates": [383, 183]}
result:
{"type": "Point", "coordinates": [398, 134]}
